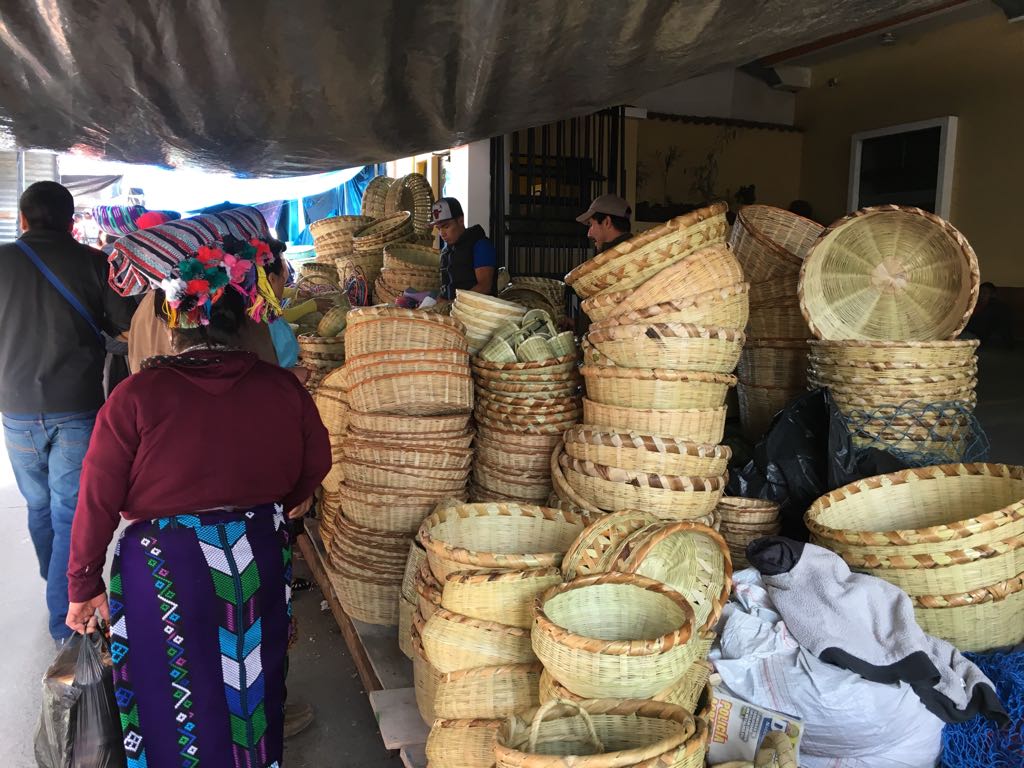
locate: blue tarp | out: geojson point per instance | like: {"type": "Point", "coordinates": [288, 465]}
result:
{"type": "Point", "coordinates": [343, 200]}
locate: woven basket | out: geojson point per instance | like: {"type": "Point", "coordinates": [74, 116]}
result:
{"type": "Point", "coordinates": [472, 303]}
{"type": "Point", "coordinates": [412, 257]}
{"type": "Point", "coordinates": [423, 393]}
{"type": "Point", "coordinates": [889, 273]}
{"type": "Point", "coordinates": [532, 299]}
{"type": "Point", "coordinates": [462, 743]}
{"type": "Point", "coordinates": [594, 547]}
{"type": "Point", "coordinates": [633, 450]}
{"type": "Point", "coordinates": [406, 610]}
{"type": "Point", "coordinates": [557, 366]}
{"type": "Point", "coordinates": [656, 387]}
{"type": "Point", "coordinates": [779, 291]}
{"type": "Point", "coordinates": [613, 634]}
{"type": "Point", "coordinates": [487, 536]}
{"type": "Point", "coordinates": [669, 345]}
{"type": "Point", "coordinates": [380, 329]}
{"type": "Point", "coordinates": [367, 599]}
{"type": "Point", "coordinates": [552, 290]}
{"type": "Point", "coordinates": [454, 642]}
{"type": "Point", "coordinates": [758, 406]}
{"type": "Point", "coordinates": [684, 692]}
{"type": "Point", "coordinates": [415, 560]}
{"type": "Point", "coordinates": [708, 269]}
{"type": "Point", "coordinates": [893, 355]}
{"type": "Point", "coordinates": [738, 509]}
{"type": "Point", "coordinates": [699, 425]}
{"type": "Point", "coordinates": [415, 425]}
{"type": "Point", "coordinates": [630, 263]}
{"type": "Point", "coordinates": [981, 626]}
{"type": "Point", "coordinates": [906, 377]}
{"type": "Point", "coordinates": [722, 307]}
{"type": "Point", "coordinates": [391, 228]}
{"type": "Point", "coordinates": [773, 363]}
{"type": "Point", "coordinates": [601, 734]}
{"type": "Point", "coordinates": [692, 496]}
{"type": "Point", "coordinates": [488, 691]}
{"type": "Point", "coordinates": [425, 677]}
{"type": "Point", "coordinates": [691, 558]}
{"type": "Point", "coordinates": [505, 596]}
{"type": "Point", "coordinates": [428, 593]}
{"type": "Point", "coordinates": [770, 242]}
{"type": "Point", "coordinates": [375, 194]}
{"type": "Point", "coordinates": [412, 193]}
{"type": "Point", "coordinates": [783, 322]}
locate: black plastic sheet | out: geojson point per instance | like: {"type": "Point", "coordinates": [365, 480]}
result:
{"type": "Point", "coordinates": [806, 452]}
{"type": "Point", "coordinates": [274, 87]}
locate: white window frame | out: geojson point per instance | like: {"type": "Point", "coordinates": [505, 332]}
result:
{"type": "Point", "coordinates": [947, 159]}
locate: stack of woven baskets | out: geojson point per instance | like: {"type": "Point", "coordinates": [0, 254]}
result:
{"type": "Point", "coordinates": [406, 447]}
{"type": "Point", "coordinates": [332, 237]}
{"type": "Point", "coordinates": [323, 351]}
{"type": "Point", "coordinates": [472, 654]}
{"type": "Point", "coordinates": [887, 289]}
{"type": "Point", "coordinates": [407, 266]}
{"type": "Point", "coordinates": [770, 244]}
{"type": "Point", "coordinates": [669, 307]}
{"type": "Point", "coordinates": [660, 571]}
{"type": "Point", "coordinates": [523, 406]}
{"type": "Point", "coordinates": [742, 521]}
{"type": "Point", "coordinates": [332, 404]}
{"type": "Point", "coordinates": [411, 193]}
{"type": "Point", "coordinates": [948, 535]}
{"type": "Point", "coordinates": [483, 315]}
{"type": "Point", "coordinates": [368, 245]}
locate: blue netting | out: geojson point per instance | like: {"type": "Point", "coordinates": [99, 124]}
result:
{"type": "Point", "coordinates": [980, 743]}
{"type": "Point", "coordinates": [920, 434]}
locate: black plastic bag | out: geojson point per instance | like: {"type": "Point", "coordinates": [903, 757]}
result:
{"type": "Point", "coordinates": [806, 452]}
{"type": "Point", "coordinates": [79, 725]}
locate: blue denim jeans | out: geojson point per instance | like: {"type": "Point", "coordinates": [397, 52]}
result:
{"type": "Point", "coordinates": [46, 452]}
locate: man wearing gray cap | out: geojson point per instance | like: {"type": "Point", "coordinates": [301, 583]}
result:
{"type": "Point", "coordinates": [607, 221]}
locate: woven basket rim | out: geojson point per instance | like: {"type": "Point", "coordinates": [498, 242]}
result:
{"type": "Point", "coordinates": [569, 639]}
{"type": "Point", "coordinates": [743, 219]}
{"type": "Point", "coordinates": [691, 448]}
{"type": "Point", "coordinates": [386, 225]}
{"type": "Point", "coordinates": [698, 484]}
{"type": "Point", "coordinates": [596, 531]}
{"type": "Point", "coordinates": [695, 300]}
{"type": "Point", "coordinates": [677, 330]}
{"type": "Point", "coordinates": [655, 374]}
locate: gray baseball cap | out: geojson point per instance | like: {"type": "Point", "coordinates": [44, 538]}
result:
{"type": "Point", "coordinates": [611, 205]}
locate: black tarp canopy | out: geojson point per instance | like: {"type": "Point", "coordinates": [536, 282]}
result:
{"type": "Point", "coordinates": [281, 87]}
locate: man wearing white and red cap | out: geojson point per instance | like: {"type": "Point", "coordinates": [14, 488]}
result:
{"type": "Point", "coordinates": [607, 221]}
{"type": "Point", "coordinates": [468, 261]}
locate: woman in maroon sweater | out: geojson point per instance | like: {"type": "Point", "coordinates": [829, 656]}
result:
{"type": "Point", "coordinates": [204, 451]}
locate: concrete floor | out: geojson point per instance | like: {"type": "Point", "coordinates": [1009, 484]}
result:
{"type": "Point", "coordinates": [344, 734]}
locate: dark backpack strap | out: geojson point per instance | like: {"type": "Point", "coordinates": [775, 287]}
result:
{"type": "Point", "coordinates": [61, 288]}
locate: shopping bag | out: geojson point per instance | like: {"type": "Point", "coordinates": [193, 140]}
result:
{"type": "Point", "coordinates": [79, 725]}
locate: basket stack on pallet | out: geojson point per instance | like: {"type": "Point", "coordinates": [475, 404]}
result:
{"type": "Point", "coordinates": [770, 244]}
{"type": "Point", "coordinates": [474, 664]}
{"type": "Point", "coordinates": [743, 520]}
{"type": "Point", "coordinates": [668, 308]}
{"type": "Point", "coordinates": [407, 266]}
{"type": "Point", "coordinates": [886, 291]}
{"type": "Point", "coordinates": [527, 395]}
{"type": "Point", "coordinates": [368, 244]}
{"type": "Point", "coordinates": [632, 570]}
{"type": "Point", "coordinates": [406, 447]}
{"type": "Point", "coordinates": [332, 237]}
{"type": "Point", "coordinates": [948, 535]}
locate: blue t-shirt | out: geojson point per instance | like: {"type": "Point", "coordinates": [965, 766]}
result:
{"type": "Point", "coordinates": [484, 254]}
{"type": "Point", "coordinates": [285, 344]}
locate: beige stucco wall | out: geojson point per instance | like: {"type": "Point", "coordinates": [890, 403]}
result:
{"type": "Point", "coordinates": [972, 69]}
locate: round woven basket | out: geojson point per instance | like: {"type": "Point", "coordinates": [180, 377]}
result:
{"type": "Point", "coordinates": [981, 621]}
{"type": "Point", "coordinates": [412, 193]}
{"type": "Point", "coordinates": [422, 393]}
{"type": "Point", "coordinates": [707, 269]}
{"type": "Point", "coordinates": [552, 290]}
{"type": "Point", "coordinates": [597, 544]}
{"type": "Point", "coordinates": [699, 425]}
{"type": "Point", "coordinates": [487, 536]}
{"type": "Point", "coordinates": [386, 328]}
{"type": "Point", "coordinates": [511, 370]}
{"type": "Point", "coordinates": [601, 734]}
{"type": "Point", "coordinates": [897, 354]}
{"type": "Point", "coordinates": [889, 273]}
{"type": "Point", "coordinates": [505, 596]}
{"type": "Point", "coordinates": [613, 634]}
{"type": "Point", "coordinates": [685, 692]}
{"type": "Point", "coordinates": [455, 642]}
{"type": "Point", "coordinates": [907, 377]}
{"type": "Point", "coordinates": [669, 345]}
{"type": "Point", "coordinates": [645, 453]}
{"type": "Point", "coordinates": [375, 194]}
{"type": "Point", "coordinates": [392, 228]}
{"type": "Point", "coordinates": [425, 677]}
{"type": "Point", "coordinates": [629, 264]}
{"type": "Point", "coordinates": [488, 691]}
{"type": "Point", "coordinates": [462, 743]}
{"type": "Point", "coordinates": [722, 307]}
{"type": "Point", "coordinates": [770, 242]}
{"type": "Point", "coordinates": [738, 509]}
{"type": "Point", "coordinates": [412, 257]}
{"type": "Point", "coordinates": [406, 425]}
{"type": "Point", "coordinates": [656, 388]}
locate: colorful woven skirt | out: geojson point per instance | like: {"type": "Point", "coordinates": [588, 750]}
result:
{"type": "Point", "coordinates": [200, 612]}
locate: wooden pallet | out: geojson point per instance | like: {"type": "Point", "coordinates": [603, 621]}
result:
{"type": "Point", "coordinates": [385, 672]}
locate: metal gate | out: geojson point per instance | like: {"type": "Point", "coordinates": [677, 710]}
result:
{"type": "Point", "coordinates": [553, 172]}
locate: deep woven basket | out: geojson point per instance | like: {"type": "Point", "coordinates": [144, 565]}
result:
{"type": "Point", "coordinates": [770, 242]}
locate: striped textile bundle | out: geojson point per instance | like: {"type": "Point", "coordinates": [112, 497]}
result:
{"type": "Point", "coordinates": [117, 220]}
{"type": "Point", "coordinates": [147, 256]}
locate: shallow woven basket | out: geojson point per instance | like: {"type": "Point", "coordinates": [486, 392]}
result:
{"type": "Point", "coordinates": [380, 329]}
{"type": "Point", "coordinates": [412, 193]}
{"type": "Point", "coordinates": [394, 227]}
{"type": "Point", "coordinates": [601, 734]}
{"type": "Point", "coordinates": [908, 377]}
{"type": "Point", "coordinates": [414, 425]}
{"type": "Point", "coordinates": [897, 354]}
{"type": "Point", "coordinates": [630, 263]}
{"type": "Point", "coordinates": [594, 547]}
{"type": "Point", "coordinates": [454, 642]}
{"type": "Point", "coordinates": [739, 509]}
{"type": "Point", "coordinates": [412, 257]}
{"type": "Point", "coordinates": [646, 452]}
{"type": "Point", "coordinates": [994, 622]}
{"type": "Point", "coordinates": [699, 425]}
{"type": "Point", "coordinates": [370, 599]}
{"type": "Point", "coordinates": [722, 307]}
{"type": "Point", "coordinates": [556, 366]}
{"type": "Point", "coordinates": [758, 406]}
{"type": "Point", "coordinates": [497, 691]}
{"type": "Point", "coordinates": [465, 743]}
{"type": "Point", "coordinates": [669, 345]}
{"type": "Point", "coordinates": [707, 269]}
{"type": "Point", "coordinates": [689, 498]}
{"type": "Point", "coordinates": [505, 596]}
{"type": "Point", "coordinates": [684, 692]}
{"type": "Point", "coordinates": [691, 558]}
{"type": "Point", "coordinates": [486, 536]}
{"type": "Point", "coordinates": [471, 302]}
{"type": "Point", "coordinates": [656, 387]}
{"type": "Point", "coordinates": [770, 241]}
{"type": "Point", "coordinates": [423, 393]}
{"type": "Point", "coordinates": [613, 634]}
{"type": "Point", "coordinates": [889, 273]}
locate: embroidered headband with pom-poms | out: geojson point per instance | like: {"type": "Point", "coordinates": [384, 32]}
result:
{"type": "Point", "coordinates": [198, 282]}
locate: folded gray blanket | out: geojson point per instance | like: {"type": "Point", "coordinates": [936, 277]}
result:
{"type": "Point", "coordinates": [867, 625]}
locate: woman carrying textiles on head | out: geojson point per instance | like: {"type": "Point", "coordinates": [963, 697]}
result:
{"type": "Point", "coordinates": [204, 450]}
